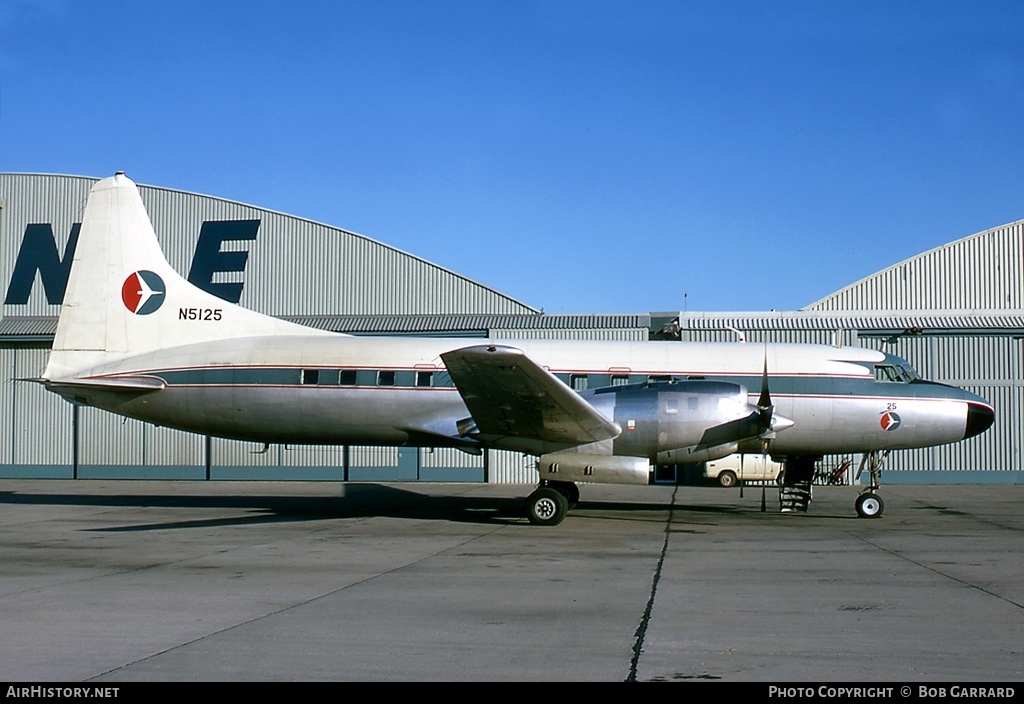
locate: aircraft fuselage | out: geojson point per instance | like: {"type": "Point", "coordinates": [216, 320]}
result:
{"type": "Point", "coordinates": [393, 391]}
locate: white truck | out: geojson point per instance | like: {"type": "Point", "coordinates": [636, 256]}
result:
{"type": "Point", "coordinates": [728, 471]}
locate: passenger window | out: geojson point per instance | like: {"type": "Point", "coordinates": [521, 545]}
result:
{"type": "Point", "coordinates": [620, 379]}
{"type": "Point", "coordinates": [578, 382]}
{"type": "Point", "coordinates": [310, 377]}
{"type": "Point", "coordinates": [385, 378]}
{"type": "Point", "coordinates": [348, 377]}
{"type": "Point", "coordinates": [424, 378]}
{"type": "Point", "coordinates": [328, 377]}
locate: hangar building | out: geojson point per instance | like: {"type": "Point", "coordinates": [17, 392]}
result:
{"type": "Point", "coordinates": [955, 312]}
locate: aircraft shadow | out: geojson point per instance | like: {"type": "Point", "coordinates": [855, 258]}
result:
{"type": "Point", "coordinates": [358, 501]}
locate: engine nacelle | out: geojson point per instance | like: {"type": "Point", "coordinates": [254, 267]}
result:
{"type": "Point", "coordinates": [672, 418]}
{"type": "Point", "coordinates": [603, 469]}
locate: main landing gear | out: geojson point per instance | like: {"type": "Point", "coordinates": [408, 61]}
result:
{"type": "Point", "coordinates": [549, 502]}
{"type": "Point", "coordinates": [869, 504]}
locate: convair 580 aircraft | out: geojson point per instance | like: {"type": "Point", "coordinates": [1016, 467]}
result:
{"type": "Point", "coordinates": [137, 339]}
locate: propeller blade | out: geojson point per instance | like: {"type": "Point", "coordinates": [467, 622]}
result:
{"type": "Point", "coordinates": [757, 424]}
{"type": "Point", "coordinates": [765, 407]}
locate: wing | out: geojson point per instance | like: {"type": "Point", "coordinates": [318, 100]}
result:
{"type": "Point", "coordinates": [518, 405]}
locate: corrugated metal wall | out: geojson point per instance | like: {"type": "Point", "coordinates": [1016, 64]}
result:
{"type": "Point", "coordinates": [512, 468]}
{"type": "Point", "coordinates": [35, 430]}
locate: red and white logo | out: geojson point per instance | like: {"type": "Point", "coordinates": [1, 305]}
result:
{"type": "Point", "coordinates": [143, 292]}
{"type": "Point", "coordinates": [890, 421]}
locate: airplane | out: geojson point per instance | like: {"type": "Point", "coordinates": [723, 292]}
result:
{"type": "Point", "coordinates": [135, 338]}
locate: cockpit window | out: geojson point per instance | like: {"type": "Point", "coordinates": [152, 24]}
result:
{"type": "Point", "coordinates": [895, 373]}
{"type": "Point", "coordinates": [885, 372]}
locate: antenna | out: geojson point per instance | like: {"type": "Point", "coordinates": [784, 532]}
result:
{"type": "Point", "coordinates": [739, 333]}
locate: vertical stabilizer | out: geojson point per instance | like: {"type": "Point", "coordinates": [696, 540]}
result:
{"type": "Point", "coordinates": [123, 298]}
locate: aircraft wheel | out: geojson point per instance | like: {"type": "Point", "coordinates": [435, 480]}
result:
{"type": "Point", "coordinates": [570, 491]}
{"type": "Point", "coordinates": [546, 507]}
{"type": "Point", "coordinates": [727, 479]}
{"type": "Point", "coordinates": [869, 505]}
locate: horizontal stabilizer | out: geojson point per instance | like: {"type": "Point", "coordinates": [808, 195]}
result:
{"type": "Point", "coordinates": [517, 404]}
{"type": "Point", "coordinates": [127, 384]}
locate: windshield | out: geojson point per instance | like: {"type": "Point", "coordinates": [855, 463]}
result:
{"type": "Point", "coordinates": [909, 372]}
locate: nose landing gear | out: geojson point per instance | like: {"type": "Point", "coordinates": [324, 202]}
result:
{"type": "Point", "coordinates": [870, 504]}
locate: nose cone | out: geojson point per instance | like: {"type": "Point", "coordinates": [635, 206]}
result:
{"type": "Point", "coordinates": [979, 419]}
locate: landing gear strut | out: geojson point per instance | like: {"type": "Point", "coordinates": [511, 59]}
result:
{"type": "Point", "coordinates": [549, 502]}
{"type": "Point", "coordinates": [869, 504]}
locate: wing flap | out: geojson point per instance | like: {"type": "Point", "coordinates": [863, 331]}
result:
{"type": "Point", "coordinates": [517, 403]}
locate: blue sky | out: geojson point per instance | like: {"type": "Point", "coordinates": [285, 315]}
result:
{"type": "Point", "coordinates": [583, 157]}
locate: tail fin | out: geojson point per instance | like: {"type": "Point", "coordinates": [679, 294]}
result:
{"type": "Point", "coordinates": [123, 298]}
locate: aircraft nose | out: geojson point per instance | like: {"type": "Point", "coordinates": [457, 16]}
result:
{"type": "Point", "coordinates": [979, 419]}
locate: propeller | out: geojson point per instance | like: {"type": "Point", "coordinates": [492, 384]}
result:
{"type": "Point", "coordinates": [765, 408]}
{"type": "Point", "coordinates": [769, 421]}
{"type": "Point", "coordinates": [761, 422]}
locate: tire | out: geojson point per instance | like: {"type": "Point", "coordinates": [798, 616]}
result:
{"type": "Point", "coordinates": [546, 507]}
{"type": "Point", "coordinates": [569, 490]}
{"type": "Point", "coordinates": [727, 479]}
{"type": "Point", "coordinates": [869, 505]}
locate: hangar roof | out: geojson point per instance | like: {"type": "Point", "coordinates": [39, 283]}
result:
{"type": "Point", "coordinates": [277, 264]}
{"type": "Point", "coordinates": [982, 272]}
